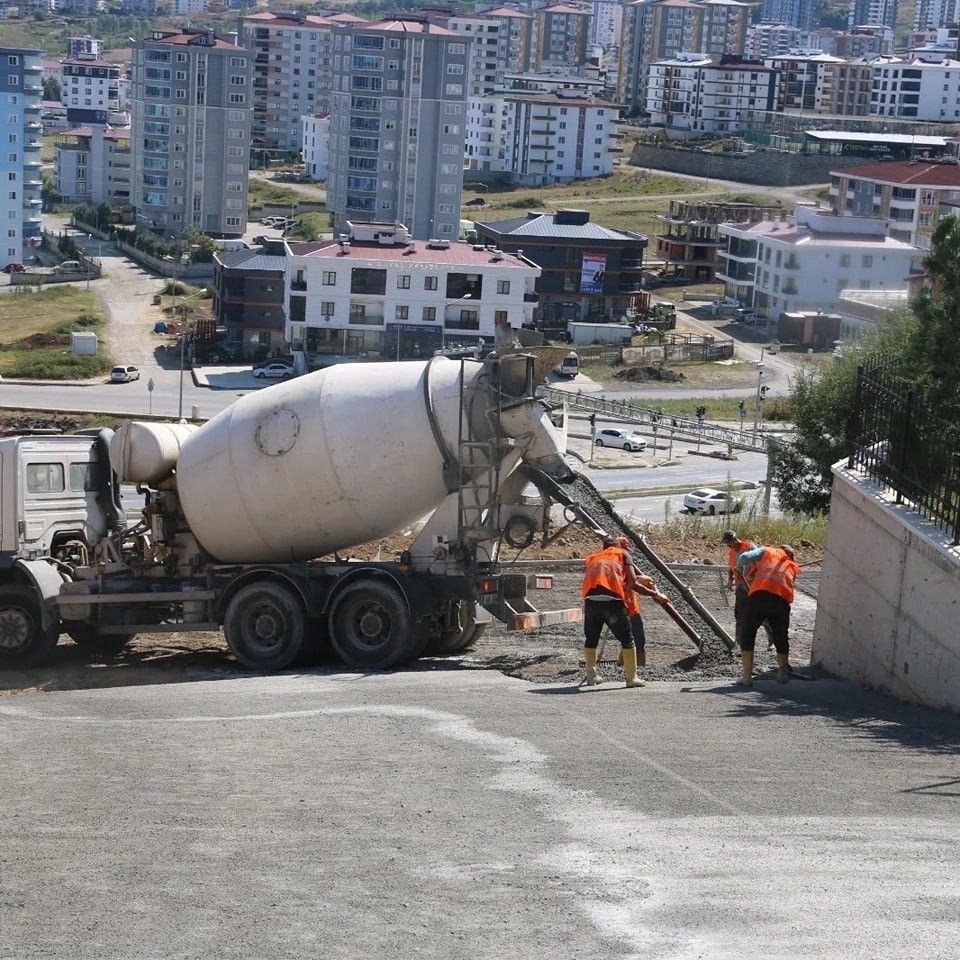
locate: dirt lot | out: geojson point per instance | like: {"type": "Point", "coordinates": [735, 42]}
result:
{"type": "Point", "coordinates": [548, 655]}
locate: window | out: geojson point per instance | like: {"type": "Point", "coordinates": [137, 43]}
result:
{"type": "Point", "coordinates": [867, 262]}
{"type": "Point", "coordinates": [401, 312]}
{"type": "Point", "coordinates": [326, 308]}
{"type": "Point", "coordinates": [429, 313]}
{"type": "Point", "coordinates": [329, 278]}
{"type": "Point", "coordinates": [403, 281]}
{"type": "Point", "coordinates": [368, 280]}
{"type": "Point", "coordinates": [503, 286]}
{"type": "Point", "coordinates": [45, 477]}
{"type": "Point", "coordinates": [500, 318]}
{"type": "Point", "coordinates": [429, 283]}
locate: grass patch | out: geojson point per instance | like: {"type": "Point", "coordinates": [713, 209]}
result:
{"type": "Point", "coordinates": [36, 335]}
{"type": "Point", "coordinates": [267, 193]}
{"type": "Point", "coordinates": [750, 524]}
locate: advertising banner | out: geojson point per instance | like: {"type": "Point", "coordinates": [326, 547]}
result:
{"type": "Point", "coordinates": [592, 271]}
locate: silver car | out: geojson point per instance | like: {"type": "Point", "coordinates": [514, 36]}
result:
{"type": "Point", "coordinates": [124, 374]}
{"type": "Point", "coordinates": [711, 502]}
{"type": "Point", "coordinates": [274, 371]}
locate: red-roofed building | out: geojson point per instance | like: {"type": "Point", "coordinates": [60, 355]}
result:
{"type": "Point", "coordinates": [91, 164]}
{"type": "Point", "coordinates": [382, 294]}
{"type": "Point", "coordinates": [908, 193]}
{"type": "Point", "coordinates": [90, 89]}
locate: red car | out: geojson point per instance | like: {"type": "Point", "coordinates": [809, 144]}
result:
{"type": "Point", "coordinates": [14, 268]}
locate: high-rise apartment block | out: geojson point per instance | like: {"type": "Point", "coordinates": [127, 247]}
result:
{"type": "Point", "coordinates": [501, 46]}
{"type": "Point", "coordinates": [291, 75]}
{"type": "Point", "coordinates": [398, 117]}
{"type": "Point", "coordinates": [21, 94]}
{"type": "Point", "coordinates": [190, 132]}
{"type": "Point", "coordinates": [561, 39]}
{"type": "Point", "coordinates": [795, 13]}
{"type": "Point", "coordinates": [660, 29]}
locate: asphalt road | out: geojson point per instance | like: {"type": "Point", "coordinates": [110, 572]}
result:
{"type": "Point", "coordinates": [456, 814]}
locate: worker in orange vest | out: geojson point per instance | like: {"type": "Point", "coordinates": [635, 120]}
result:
{"type": "Point", "coordinates": [606, 586]}
{"type": "Point", "coordinates": [771, 573]}
{"type": "Point", "coordinates": [735, 581]}
{"type": "Point", "coordinates": [642, 585]}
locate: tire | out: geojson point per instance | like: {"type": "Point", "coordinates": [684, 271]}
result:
{"type": "Point", "coordinates": [599, 443]}
{"type": "Point", "coordinates": [713, 511]}
{"type": "Point", "coordinates": [371, 627]}
{"type": "Point", "coordinates": [23, 641]}
{"type": "Point", "coordinates": [85, 636]}
{"type": "Point", "coordinates": [452, 641]}
{"type": "Point", "coordinates": [265, 626]}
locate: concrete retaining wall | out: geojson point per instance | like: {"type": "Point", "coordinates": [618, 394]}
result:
{"type": "Point", "coordinates": [769, 168]}
{"type": "Point", "coordinates": [888, 610]}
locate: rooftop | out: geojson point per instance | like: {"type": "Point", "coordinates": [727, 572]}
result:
{"type": "Point", "coordinates": [920, 172]}
{"type": "Point", "coordinates": [453, 254]}
{"type": "Point", "coordinates": [557, 226]}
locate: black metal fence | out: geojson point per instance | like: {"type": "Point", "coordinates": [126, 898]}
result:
{"type": "Point", "coordinates": [906, 448]}
{"type": "Point", "coordinates": [674, 349]}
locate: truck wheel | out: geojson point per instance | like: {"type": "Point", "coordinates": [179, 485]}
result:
{"type": "Point", "coordinates": [371, 627]}
{"type": "Point", "coordinates": [454, 640]}
{"type": "Point", "coordinates": [265, 626]}
{"type": "Point", "coordinates": [85, 636]}
{"type": "Point", "coordinates": [23, 641]}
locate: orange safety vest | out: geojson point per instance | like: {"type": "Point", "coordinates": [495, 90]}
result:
{"type": "Point", "coordinates": [732, 559]}
{"type": "Point", "coordinates": [775, 573]}
{"type": "Point", "coordinates": [606, 569]}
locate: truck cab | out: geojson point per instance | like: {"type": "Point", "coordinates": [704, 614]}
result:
{"type": "Point", "coordinates": [50, 497]}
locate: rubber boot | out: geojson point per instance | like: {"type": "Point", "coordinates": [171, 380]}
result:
{"type": "Point", "coordinates": [746, 658]}
{"type": "Point", "coordinates": [641, 658]}
{"type": "Point", "coordinates": [630, 668]}
{"type": "Point", "coordinates": [783, 668]}
{"type": "Point", "coordinates": [620, 658]}
{"type": "Point", "coordinates": [590, 656]}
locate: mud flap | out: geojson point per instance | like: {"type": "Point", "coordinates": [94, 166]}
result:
{"type": "Point", "coordinates": [43, 577]}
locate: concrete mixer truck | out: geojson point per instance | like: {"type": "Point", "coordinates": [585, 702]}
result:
{"type": "Point", "coordinates": [236, 512]}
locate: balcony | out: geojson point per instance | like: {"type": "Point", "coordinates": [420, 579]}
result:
{"type": "Point", "coordinates": [298, 286]}
{"type": "Point", "coordinates": [531, 298]}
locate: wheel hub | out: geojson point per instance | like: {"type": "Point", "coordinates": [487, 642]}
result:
{"type": "Point", "coordinates": [371, 624]}
{"type": "Point", "coordinates": [14, 630]}
{"type": "Point", "coordinates": [266, 627]}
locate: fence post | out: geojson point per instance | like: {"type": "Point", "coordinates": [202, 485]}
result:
{"type": "Point", "coordinates": [853, 434]}
{"type": "Point", "coordinates": [901, 466]}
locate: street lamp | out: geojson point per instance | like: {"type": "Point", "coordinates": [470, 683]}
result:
{"type": "Point", "coordinates": [443, 319]}
{"type": "Point", "coordinates": [756, 412]}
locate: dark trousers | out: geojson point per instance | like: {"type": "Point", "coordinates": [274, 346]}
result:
{"type": "Point", "coordinates": [739, 612]}
{"type": "Point", "coordinates": [636, 628]}
{"type": "Point", "coordinates": [612, 613]}
{"type": "Point", "coordinates": [775, 610]}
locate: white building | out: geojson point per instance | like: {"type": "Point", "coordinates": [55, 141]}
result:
{"type": "Point", "coordinates": [910, 194]}
{"type": "Point", "coordinates": [542, 137]}
{"type": "Point", "coordinates": [696, 93]}
{"type": "Point", "coordinates": [316, 145]}
{"type": "Point", "coordinates": [606, 24]}
{"type": "Point", "coordinates": [806, 81]}
{"type": "Point", "coordinates": [805, 262]}
{"type": "Point", "coordinates": [382, 294]}
{"type": "Point", "coordinates": [917, 90]}
{"type": "Point", "coordinates": [771, 39]}
{"type": "Point", "coordinates": [92, 164]}
{"type": "Point", "coordinates": [90, 90]}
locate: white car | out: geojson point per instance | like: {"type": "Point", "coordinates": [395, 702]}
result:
{"type": "Point", "coordinates": [711, 502]}
{"type": "Point", "coordinates": [622, 439]}
{"type": "Point", "coordinates": [124, 374]}
{"type": "Point", "coordinates": [274, 371]}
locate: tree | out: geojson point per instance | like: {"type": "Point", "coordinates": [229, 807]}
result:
{"type": "Point", "coordinates": [51, 89]}
{"type": "Point", "coordinates": [823, 402]}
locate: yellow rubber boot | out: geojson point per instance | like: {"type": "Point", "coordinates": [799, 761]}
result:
{"type": "Point", "coordinates": [590, 656]}
{"type": "Point", "coordinates": [783, 668]}
{"type": "Point", "coordinates": [630, 668]}
{"type": "Point", "coordinates": [746, 658]}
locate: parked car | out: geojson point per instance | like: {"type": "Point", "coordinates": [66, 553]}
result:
{"type": "Point", "coordinates": [708, 501]}
{"type": "Point", "coordinates": [124, 374]}
{"type": "Point", "coordinates": [14, 268]}
{"type": "Point", "coordinates": [745, 315]}
{"type": "Point", "coordinates": [69, 266]}
{"type": "Point", "coordinates": [476, 202]}
{"type": "Point", "coordinates": [622, 439]}
{"type": "Point", "coordinates": [275, 370]}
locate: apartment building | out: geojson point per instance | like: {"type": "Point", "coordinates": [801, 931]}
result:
{"type": "Point", "coordinates": [291, 76]}
{"type": "Point", "coordinates": [802, 14]}
{"type": "Point", "coordinates": [85, 46]}
{"type": "Point", "coordinates": [907, 193]}
{"type": "Point", "coordinates": [772, 39]}
{"type": "Point", "coordinates": [589, 270]}
{"type": "Point", "coordinates": [501, 43]}
{"type": "Point", "coordinates": [806, 262]}
{"type": "Point", "coordinates": [90, 90]}
{"type": "Point", "coordinates": [655, 30]}
{"type": "Point", "coordinates": [873, 11]}
{"type": "Point", "coordinates": [379, 293]}
{"type": "Point", "coordinates": [316, 146]}
{"type": "Point", "coordinates": [542, 137]}
{"type": "Point", "coordinates": [21, 94]}
{"type": "Point", "coordinates": [852, 88]}
{"type": "Point", "coordinates": [561, 39]}
{"type": "Point", "coordinates": [917, 90]}
{"type": "Point", "coordinates": [705, 96]}
{"type": "Point", "coordinates": [806, 81]}
{"type": "Point", "coordinates": [606, 24]}
{"type": "Point", "coordinates": [191, 133]}
{"type": "Point", "coordinates": [398, 118]}
{"type": "Point", "coordinates": [91, 164]}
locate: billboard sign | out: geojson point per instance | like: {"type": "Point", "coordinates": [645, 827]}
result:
{"type": "Point", "coordinates": [593, 269]}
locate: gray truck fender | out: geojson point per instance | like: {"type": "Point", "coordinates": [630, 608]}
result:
{"type": "Point", "coordinates": [45, 579]}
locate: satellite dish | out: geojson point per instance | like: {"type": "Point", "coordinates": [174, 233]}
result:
{"type": "Point", "coordinates": [327, 319]}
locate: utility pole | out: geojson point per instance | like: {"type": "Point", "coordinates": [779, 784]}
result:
{"type": "Point", "coordinates": [756, 411]}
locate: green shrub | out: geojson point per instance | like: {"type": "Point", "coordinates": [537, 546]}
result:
{"type": "Point", "coordinates": [55, 363]}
